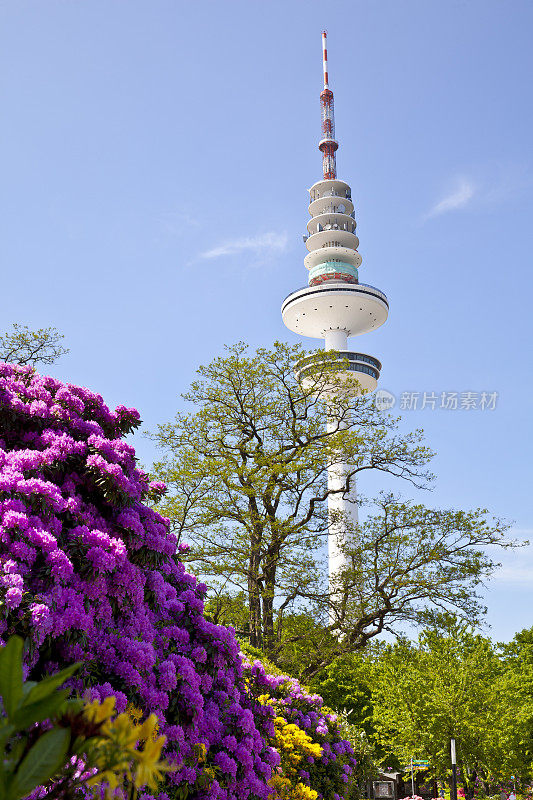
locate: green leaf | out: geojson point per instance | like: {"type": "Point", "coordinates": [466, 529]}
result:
{"type": "Point", "coordinates": [42, 762]}
{"type": "Point", "coordinates": [27, 687]}
{"type": "Point", "coordinates": [17, 750]}
{"type": "Point", "coordinates": [36, 712]}
{"type": "Point", "coordinates": [49, 684]}
{"type": "Point", "coordinates": [11, 674]}
{"type": "Point", "coordinates": [5, 732]}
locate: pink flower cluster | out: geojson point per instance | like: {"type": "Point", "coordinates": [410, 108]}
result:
{"type": "Point", "coordinates": [89, 572]}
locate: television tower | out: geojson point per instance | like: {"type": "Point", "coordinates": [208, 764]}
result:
{"type": "Point", "coordinates": [335, 305]}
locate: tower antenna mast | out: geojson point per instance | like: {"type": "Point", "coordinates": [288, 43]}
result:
{"type": "Point", "coordinates": [328, 145]}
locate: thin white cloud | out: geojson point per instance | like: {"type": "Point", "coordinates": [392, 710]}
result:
{"type": "Point", "coordinates": [261, 245]}
{"type": "Point", "coordinates": [514, 575]}
{"type": "Point", "coordinates": [173, 224]}
{"type": "Point", "coordinates": [458, 198]}
{"type": "Point", "coordinates": [516, 565]}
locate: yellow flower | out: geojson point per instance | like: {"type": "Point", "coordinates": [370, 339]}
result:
{"type": "Point", "coordinates": [293, 744]}
{"type": "Point", "coordinates": [98, 712]}
{"type": "Point", "coordinates": [122, 730]}
{"type": "Point", "coordinates": [303, 792]}
{"type": "Point", "coordinates": [201, 752]}
{"type": "Point", "coordinates": [149, 768]}
{"type": "Point", "coordinates": [115, 753]}
{"type": "Point", "coordinates": [135, 713]}
{"type": "Point", "coordinates": [287, 791]}
{"type": "Point", "coordinates": [149, 728]}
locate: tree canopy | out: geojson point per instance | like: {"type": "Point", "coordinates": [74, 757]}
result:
{"type": "Point", "coordinates": [247, 477]}
{"type": "Point", "coordinates": [443, 687]}
{"type": "Point", "coordinates": [412, 697]}
{"type": "Point", "coordinates": [20, 345]}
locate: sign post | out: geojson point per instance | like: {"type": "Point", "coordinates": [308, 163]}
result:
{"type": "Point", "coordinates": [412, 779]}
{"type": "Point", "coordinates": [453, 793]}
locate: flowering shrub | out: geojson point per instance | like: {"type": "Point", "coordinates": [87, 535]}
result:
{"type": "Point", "coordinates": [316, 760]}
{"type": "Point", "coordinates": [45, 737]}
{"type": "Point", "coordinates": [293, 745]}
{"type": "Point", "coordinates": [89, 573]}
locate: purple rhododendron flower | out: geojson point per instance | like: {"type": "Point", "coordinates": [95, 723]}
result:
{"type": "Point", "coordinates": [13, 597]}
{"type": "Point", "coordinates": [91, 573]}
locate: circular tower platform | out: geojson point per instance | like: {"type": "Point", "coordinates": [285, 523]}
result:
{"type": "Point", "coordinates": [354, 308]}
{"type": "Point", "coordinates": [347, 366]}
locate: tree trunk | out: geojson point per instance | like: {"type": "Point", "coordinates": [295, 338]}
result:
{"type": "Point", "coordinates": [268, 616]}
{"type": "Point", "coordinates": [269, 588]}
{"type": "Point", "coordinates": [254, 603]}
{"type": "Point", "coordinates": [254, 593]}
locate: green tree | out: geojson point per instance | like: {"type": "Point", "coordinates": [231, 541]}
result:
{"type": "Point", "coordinates": [229, 609]}
{"type": "Point", "coordinates": [406, 562]}
{"type": "Point", "coordinates": [449, 684]}
{"type": "Point", "coordinates": [247, 470]}
{"type": "Point", "coordinates": [20, 345]}
{"type": "Point", "coordinates": [516, 703]}
{"type": "Point", "coordinates": [346, 685]}
{"type": "Point", "coordinates": [247, 474]}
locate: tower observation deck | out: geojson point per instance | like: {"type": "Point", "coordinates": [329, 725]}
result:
{"type": "Point", "coordinates": [335, 305]}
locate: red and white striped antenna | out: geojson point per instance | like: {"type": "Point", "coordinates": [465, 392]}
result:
{"type": "Point", "coordinates": [327, 145]}
{"type": "Point", "coordinates": [325, 57]}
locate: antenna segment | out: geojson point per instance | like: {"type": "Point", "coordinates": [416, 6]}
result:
{"type": "Point", "coordinates": [327, 145]}
{"type": "Point", "coordinates": [325, 57]}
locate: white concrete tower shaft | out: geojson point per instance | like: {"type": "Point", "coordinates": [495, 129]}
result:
{"type": "Point", "coordinates": [342, 505]}
{"type": "Point", "coordinates": [343, 512]}
{"type": "Point", "coordinates": [334, 306]}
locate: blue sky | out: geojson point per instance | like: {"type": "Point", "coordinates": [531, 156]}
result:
{"type": "Point", "coordinates": [156, 157]}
